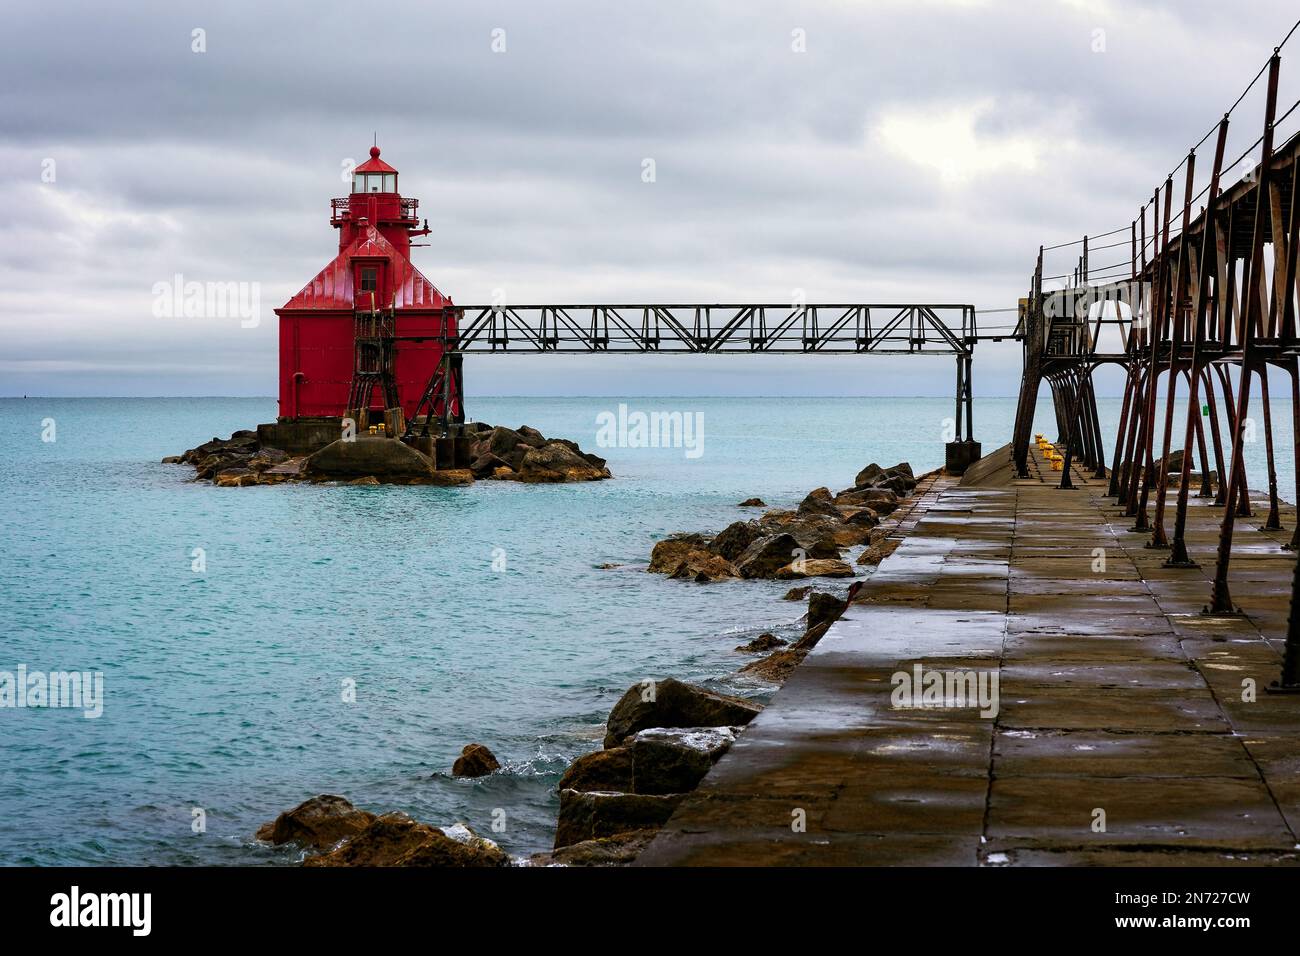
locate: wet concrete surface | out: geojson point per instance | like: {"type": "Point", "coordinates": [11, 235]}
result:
{"type": "Point", "coordinates": [1126, 731]}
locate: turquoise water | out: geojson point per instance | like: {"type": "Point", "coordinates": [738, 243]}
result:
{"type": "Point", "coordinates": [224, 690]}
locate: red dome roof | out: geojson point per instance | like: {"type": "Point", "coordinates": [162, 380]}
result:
{"type": "Point", "coordinates": [374, 164]}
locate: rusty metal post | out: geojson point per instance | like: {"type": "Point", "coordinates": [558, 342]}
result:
{"type": "Point", "coordinates": [1176, 283]}
{"type": "Point", "coordinates": [1220, 595]}
{"type": "Point", "coordinates": [1273, 522]}
{"type": "Point", "coordinates": [1157, 312]}
{"type": "Point", "coordinates": [1112, 490]}
{"type": "Point", "coordinates": [1178, 557]}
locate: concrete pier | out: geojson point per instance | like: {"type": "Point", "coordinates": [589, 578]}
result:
{"type": "Point", "coordinates": [1130, 727]}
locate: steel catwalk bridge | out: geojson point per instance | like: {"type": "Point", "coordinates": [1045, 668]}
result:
{"type": "Point", "coordinates": [718, 329]}
{"type": "Point", "coordinates": [1203, 291]}
{"type": "Point", "coordinates": [706, 329]}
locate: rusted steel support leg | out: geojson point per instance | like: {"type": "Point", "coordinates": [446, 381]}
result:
{"type": "Point", "coordinates": [1273, 522]}
{"type": "Point", "coordinates": [1220, 596]}
{"type": "Point", "coordinates": [1290, 680]}
{"type": "Point", "coordinates": [1136, 440]}
{"type": "Point", "coordinates": [1220, 496]}
{"type": "Point", "coordinates": [1293, 369]}
{"type": "Point", "coordinates": [1142, 495]}
{"type": "Point", "coordinates": [1202, 451]}
{"type": "Point", "coordinates": [1083, 418]}
{"type": "Point", "coordinates": [1158, 538]}
{"type": "Point", "coordinates": [1030, 381]}
{"type": "Point", "coordinates": [1071, 420]}
{"type": "Point", "coordinates": [1113, 489]}
{"type": "Point", "coordinates": [1178, 557]}
{"type": "Point", "coordinates": [1126, 495]}
{"type": "Point", "coordinates": [1100, 473]}
{"type": "Point", "coordinates": [1230, 407]}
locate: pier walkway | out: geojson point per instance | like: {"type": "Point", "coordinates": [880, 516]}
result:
{"type": "Point", "coordinates": [1126, 731]}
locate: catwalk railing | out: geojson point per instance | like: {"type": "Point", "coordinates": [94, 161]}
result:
{"type": "Point", "coordinates": [1209, 294]}
{"type": "Point", "coordinates": [703, 329]}
{"type": "Point", "coordinates": [718, 329]}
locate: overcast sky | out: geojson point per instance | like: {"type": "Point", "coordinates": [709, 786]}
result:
{"type": "Point", "coordinates": [914, 151]}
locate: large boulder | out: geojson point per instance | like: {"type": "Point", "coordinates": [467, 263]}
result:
{"type": "Point", "coordinates": [815, 533]}
{"type": "Point", "coordinates": [267, 458]}
{"type": "Point", "coordinates": [240, 444]}
{"type": "Point", "coordinates": [768, 555]}
{"type": "Point", "coordinates": [672, 703]}
{"type": "Point", "coordinates": [867, 475]}
{"type": "Point", "coordinates": [447, 478]}
{"type": "Point", "coordinates": [670, 552]}
{"type": "Point", "coordinates": [394, 839]}
{"type": "Point", "coordinates": [501, 441]}
{"type": "Point", "coordinates": [617, 850]}
{"type": "Point", "coordinates": [209, 466]}
{"type": "Point", "coordinates": [236, 477]}
{"type": "Point", "coordinates": [732, 541]}
{"type": "Point", "coordinates": [879, 500]}
{"type": "Point", "coordinates": [486, 463]}
{"type": "Point", "coordinates": [704, 567]}
{"type": "Point", "coordinates": [533, 438]}
{"type": "Point", "coordinates": [287, 470]}
{"type": "Point", "coordinates": [776, 667]}
{"type": "Point", "coordinates": [764, 642]}
{"type": "Point", "coordinates": [1173, 461]}
{"type": "Point", "coordinates": [591, 816]}
{"type": "Point", "coordinates": [475, 761]}
{"type": "Point", "coordinates": [818, 502]}
{"type": "Point", "coordinates": [815, 568]}
{"type": "Point", "coordinates": [900, 485]}
{"type": "Point", "coordinates": [319, 823]}
{"type": "Point", "coordinates": [881, 548]}
{"type": "Point", "coordinates": [385, 458]}
{"type": "Point", "coordinates": [851, 535]}
{"type": "Point", "coordinates": [556, 462]}
{"type": "Point", "coordinates": [824, 608]}
{"type": "Point", "coordinates": [864, 517]}
{"type": "Point", "coordinates": [675, 760]}
{"type": "Point", "coordinates": [606, 770]}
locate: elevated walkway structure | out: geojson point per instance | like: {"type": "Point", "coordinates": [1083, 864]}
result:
{"type": "Point", "coordinates": [1208, 292]}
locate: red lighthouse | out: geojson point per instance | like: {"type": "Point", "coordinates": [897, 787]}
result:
{"type": "Point", "coordinates": [367, 335]}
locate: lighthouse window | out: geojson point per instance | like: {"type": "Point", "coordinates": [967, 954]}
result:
{"type": "Point", "coordinates": [374, 183]}
{"type": "Point", "coordinates": [369, 279]}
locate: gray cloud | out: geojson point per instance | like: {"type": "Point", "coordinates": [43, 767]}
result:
{"type": "Point", "coordinates": [775, 170]}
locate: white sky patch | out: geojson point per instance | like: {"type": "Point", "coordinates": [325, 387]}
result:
{"type": "Point", "coordinates": [1099, 8]}
{"type": "Point", "coordinates": [948, 141]}
{"type": "Point", "coordinates": [86, 212]}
